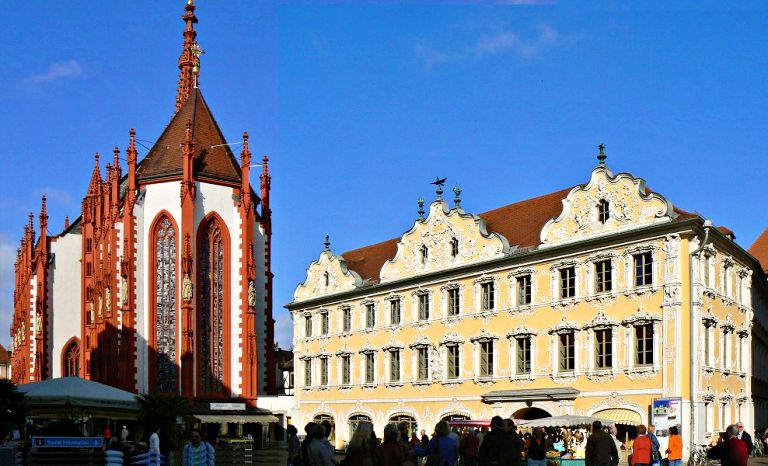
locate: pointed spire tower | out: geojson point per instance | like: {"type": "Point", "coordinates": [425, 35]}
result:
{"type": "Point", "coordinates": [189, 61]}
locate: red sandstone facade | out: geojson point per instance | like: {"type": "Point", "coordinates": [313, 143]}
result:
{"type": "Point", "coordinates": [175, 295]}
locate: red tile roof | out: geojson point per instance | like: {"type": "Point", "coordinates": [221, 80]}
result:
{"type": "Point", "coordinates": [212, 158]}
{"type": "Point", "coordinates": [760, 250]}
{"type": "Point", "coordinates": [520, 223]}
{"type": "Point", "coordinates": [5, 357]}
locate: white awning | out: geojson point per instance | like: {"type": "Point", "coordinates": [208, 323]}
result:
{"type": "Point", "coordinates": [236, 418]}
{"type": "Point", "coordinates": [620, 416]}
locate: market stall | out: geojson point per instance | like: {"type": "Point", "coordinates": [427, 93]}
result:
{"type": "Point", "coordinates": [568, 450]}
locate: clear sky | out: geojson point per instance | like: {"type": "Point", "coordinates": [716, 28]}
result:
{"type": "Point", "coordinates": [360, 105]}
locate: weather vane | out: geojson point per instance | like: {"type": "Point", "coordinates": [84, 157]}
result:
{"type": "Point", "coordinates": [439, 182]}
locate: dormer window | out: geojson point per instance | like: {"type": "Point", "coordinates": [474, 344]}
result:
{"type": "Point", "coordinates": [603, 211]}
{"type": "Point", "coordinates": [454, 247]}
{"type": "Point", "coordinates": [327, 279]}
{"type": "Point", "coordinates": [424, 254]}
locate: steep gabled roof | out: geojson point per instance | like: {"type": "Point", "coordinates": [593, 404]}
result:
{"type": "Point", "coordinates": [520, 223]}
{"type": "Point", "coordinates": [212, 159]}
{"type": "Point", "coordinates": [760, 250]}
{"type": "Point", "coordinates": [5, 356]}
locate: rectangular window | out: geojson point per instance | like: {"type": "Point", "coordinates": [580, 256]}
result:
{"type": "Point", "coordinates": [643, 269]}
{"type": "Point", "coordinates": [603, 211]}
{"type": "Point", "coordinates": [644, 345]}
{"type": "Point", "coordinates": [369, 368]}
{"type": "Point", "coordinates": [323, 371]}
{"type": "Point", "coordinates": [307, 326]}
{"type": "Point", "coordinates": [424, 306]}
{"type": "Point", "coordinates": [394, 312]}
{"type": "Point", "coordinates": [88, 269]}
{"type": "Point", "coordinates": [707, 342]}
{"type": "Point", "coordinates": [88, 245]}
{"type": "Point", "coordinates": [567, 351]}
{"type": "Point", "coordinates": [486, 359]}
{"type": "Point", "coordinates": [370, 315]}
{"type": "Point", "coordinates": [394, 365]}
{"type": "Point", "coordinates": [454, 247]}
{"type": "Point", "coordinates": [346, 317]}
{"type": "Point", "coordinates": [487, 295]}
{"type": "Point", "coordinates": [423, 363]}
{"type": "Point", "coordinates": [523, 354]}
{"type": "Point", "coordinates": [568, 282]}
{"type": "Point", "coordinates": [603, 281]}
{"type": "Point", "coordinates": [523, 290]}
{"type": "Point", "coordinates": [453, 361]}
{"type": "Point", "coordinates": [603, 348]}
{"type": "Point", "coordinates": [307, 372]}
{"type": "Point", "coordinates": [454, 304]}
{"type": "Point", "coordinates": [345, 369]}
{"type": "Point", "coordinates": [324, 323]}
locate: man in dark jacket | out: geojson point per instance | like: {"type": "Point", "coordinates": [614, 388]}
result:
{"type": "Point", "coordinates": [732, 451]}
{"type": "Point", "coordinates": [745, 437]}
{"type": "Point", "coordinates": [601, 449]}
{"type": "Point", "coordinates": [497, 448]}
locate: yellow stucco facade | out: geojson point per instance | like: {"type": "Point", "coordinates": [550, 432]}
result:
{"type": "Point", "coordinates": [599, 318]}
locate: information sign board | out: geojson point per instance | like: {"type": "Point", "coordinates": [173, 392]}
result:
{"type": "Point", "coordinates": [665, 413]}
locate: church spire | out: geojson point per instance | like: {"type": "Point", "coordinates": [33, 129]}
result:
{"type": "Point", "coordinates": [189, 61]}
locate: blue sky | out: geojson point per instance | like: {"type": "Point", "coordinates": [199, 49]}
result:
{"type": "Point", "coordinates": [361, 105]}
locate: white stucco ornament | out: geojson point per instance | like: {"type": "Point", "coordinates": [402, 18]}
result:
{"type": "Point", "coordinates": [329, 274]}
{"type": "Point", "coordinates": [624, 197]}
{"type": "Point", "coordinates": [446, 238]}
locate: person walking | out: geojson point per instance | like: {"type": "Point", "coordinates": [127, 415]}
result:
{"type": "Point", "coordinates": [470, 448]}
{"type": "Point", "coordinates": [731, 451]}
{"type": "Point", "coordinates": [745, 437]}
{"type": "Point", "coordinates": [154, 446]}
{"type": "Point", "coordinates": [294, 446]}
{"type": "Point", "coordinates": [641, 447]}
{"type": "Point", "coordinates": [601, 448]}
{"type": "Point", "coordinates": [441, 450]}
{"type": "Point", "coordinates": [318, 453]}
{"type": "Point", "coordinates": [537, 449]}
{"type": "Point", "coordinates": [675, 447]}
{"type": "Point", "coordinates": [392, 451]}
{"type": "Point", "coordinates": [305, 443]}
{"type": "Point", "coordinates": [327, 427]}
{"type": "Point", "coordinates": [496, 449]}
{"type": "Point", "coordinates": [198, 452]}
{"type": "Point", "coordinates": [124, 434]}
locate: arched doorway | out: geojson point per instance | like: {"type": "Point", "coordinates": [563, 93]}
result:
{"type": "Point", "coordinates": [322, 417]}
{"type": "Point", "coordinates": [529, 414]}
{"type": "Point", "coordinates": [396, 419]}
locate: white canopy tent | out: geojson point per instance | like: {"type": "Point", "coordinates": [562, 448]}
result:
{"type": "Point", "coordinates": [78, 397]}
{"type": "Point", "coordinates": [565, 421]}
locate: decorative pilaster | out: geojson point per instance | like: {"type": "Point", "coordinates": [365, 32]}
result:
{"type": "Point", "coordinates": [187, 266]}
{"type": "Point", "coordinates": [250, 360]}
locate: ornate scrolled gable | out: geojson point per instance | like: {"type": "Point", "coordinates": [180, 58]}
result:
{"type": "Point", "coordinates": [629, 206]}
{"type": "Point", "coordinates": [434, 235]}
{"type": "Point", "coordinates": [521, 331]}
{"type": "Point", "coordinates": [601, 321]}
{"type": "Point", "coordinates": [640, 317]}
{"type": "Point", "coordinates": [327, 275]}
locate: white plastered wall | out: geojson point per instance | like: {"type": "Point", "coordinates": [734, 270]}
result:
{"type": "Point", "coordinates": [259, 249]}
{"type": "Point", "coordinates": [64, 296]}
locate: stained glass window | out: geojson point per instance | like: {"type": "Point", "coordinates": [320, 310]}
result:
{"type": "Point", "coordinates": [72, 360]}
{"type": "Point", "coordinates": [211, 325]}
{"type": "Point", "coordinates": [165, 302]}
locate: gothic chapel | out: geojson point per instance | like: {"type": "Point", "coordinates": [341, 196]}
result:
{"type": "Point", "coordinates": [163, 284]}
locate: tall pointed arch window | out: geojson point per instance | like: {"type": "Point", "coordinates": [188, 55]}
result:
{"type": "Point", "coordinates": [71, 359]}
{"type": "Point", "coordinates": [212, 325]}
{"type": "Point", "coordinates": [165, 249]}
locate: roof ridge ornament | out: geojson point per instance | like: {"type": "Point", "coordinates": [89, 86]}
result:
{"type": "Point", "coordinates": [189, 60]}
{"type": "Point", "coordinates": [420, 202]}
{"type": "Point", "coordinates": [457, 198]}
{"type": "Point", "coordinates": [601, 156]}
{"type": "Point", "coordinates": [439, 182]}
{"type": "Point", "coordinates": [327, 243]}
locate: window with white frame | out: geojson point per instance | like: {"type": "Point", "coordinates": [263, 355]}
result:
{"type": "Point", "coordinates": [603, 276]}
{"type": "Point", "coordinates": [370, 315]}
{"type": "Point", "coordinates": [422, 363]}
{"type": "Point", "coordinates": [308, 326]}
{"type": "Point", "coordinates": [395, 314]}
{"type": "Point", "coordinates": [346, 319]}
{"type": "Point", "coordinates": [643, 343]}
{"type": "Point", "coordinates": [346, 368]}
{"type": "Point", "coordinates": [454, 247]}
{"type": "Point", "coordinates": [454, 301]}
{"type": "Point", "coordinates": [370, 367]}
{"type": "Point", "coordinates": [524, 291]}
{"type": "Point", "coordinates": [709, 330]}
{"type": "Point", "coordinates": [740, 349]}
{"type": "Point", "coordinates": [424, 251]}
{"type": "Point", "coordinates": [603, 348]}
{"type": "Point", "coordinates": [454, 361]}
{"type": "Point", "coordinates": [523, 353]}
{"type": "Point", "coordinates": [487, 302]}
{"type": "Point", "coordinates": [324, 370]}
{"type": "Point", "coordinates": [566, 344]}
{"type": "Point", "coordinates": [603, 211]}
{"type": "Point", "coordinates": [423, 303]}
{"type": "Point", "coordinates": [727, 277]}
{"type": "Point", "coordinates": [726, 353]}
{"type": "Point", "coordinates": [567, 282]}
{"type": "Point", "coordinates": [307, 372]}
{"type": "Point", "coordinates": [486, 358]}
{"type": "Point", "coordinates": [394, 365]}
{"type": "Point", "coordinates": [643, 268]}
{"type": "Point", "coordinates": [324, 323]}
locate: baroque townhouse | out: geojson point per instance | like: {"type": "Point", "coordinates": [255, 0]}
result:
{"type": "Point", "coordinates": [592, 300]}
{"type": "Point", "coordinates": [163, 283]}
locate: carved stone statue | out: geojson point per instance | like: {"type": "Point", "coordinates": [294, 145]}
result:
{"type": "Point", "coordinates": [98, 307]}
{"type": "Point", "coordinates": [90, 312]}
{"type": "Point", "coordinates": [124, 292]}
{"type": "Point", "coordinates": [251, 294]}
{"type": "Point", "coordinates": [108, 300]}
{"type": "Point", "coordinates": [38, 324]}
{"type": "Point", "coordinates": [186, 292]}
